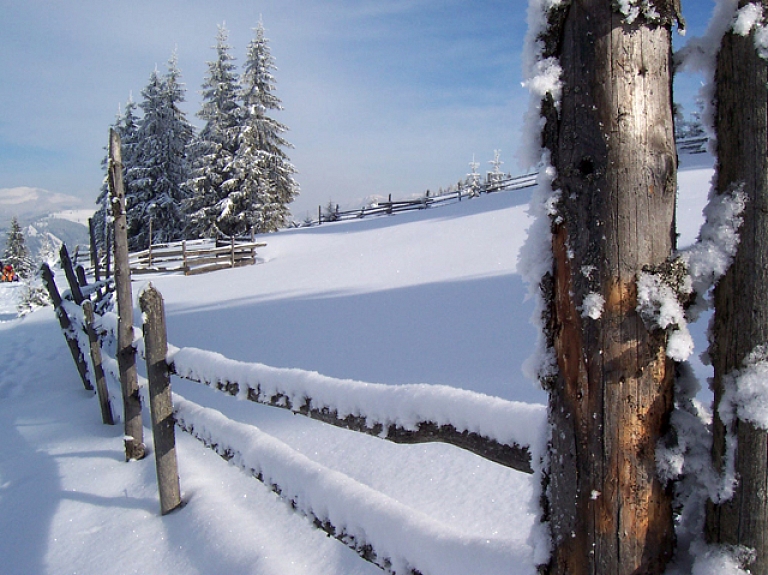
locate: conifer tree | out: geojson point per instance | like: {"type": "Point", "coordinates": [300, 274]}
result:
{"type": "Point", "coordinates": [155, 183]}
{"type": "Point", "coordinates": [213, 172]}
{"type": "Point", "coordinates": [261, 141]}
{"type": "Point", "coordinates": [16, 253]}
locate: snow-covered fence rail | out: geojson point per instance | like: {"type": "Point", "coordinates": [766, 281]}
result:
{"type": "Point", "coordinates": [194, 257]}
{"type": "Point", "coordinates": [693, 145]}
{"type": "Point", "coordinates": [496, 184]}
{"type": "Point", "coordinates": [502, 431]}
{"type": "Point", "coordinates": [499, 430]}
{"type": "Point", "coordinates": [381, 529]}
{"type": "Point", "coordinates": [496, 429]}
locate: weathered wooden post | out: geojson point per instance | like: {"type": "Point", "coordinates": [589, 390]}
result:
{"type": "Point", "coordinates": [184, 257]}
{"type": "Point", "coordinates": [126, 353]}
{"type": "Point", "coordinates": [69, 271]}
{"type": "Point", "coordinates": [740, 323]}
{"type": "Point", "coordinates": [66, 326]}
{"type": "Point", "coordinates": [98, 371]}
{"type": "Point", "coordinates": [149, 249]}
{"type": "Point", "coordinates": [108, 250]}
{"type": "Point", "coordinates": [94, 251]}
{"type": "Point", "coordinates": [160, 403]}
{"type": "Point", "coordinates": [609, 138]}
{"type": "Point", "coordinates": [232, 252]}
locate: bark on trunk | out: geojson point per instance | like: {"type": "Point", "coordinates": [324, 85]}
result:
{"type": "Point", "coordinates": [741, 306]}
{"type": "Point", "coordinates": [612, 144]}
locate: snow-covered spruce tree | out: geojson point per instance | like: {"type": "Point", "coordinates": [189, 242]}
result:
{"type": "Point", "coordinates": [600, 76]}
{"type": "Point", "coordinates": [126, 125]}
{"type": "Point", "coordinates": [155, 182]}
{"type": "Point", "coordinates": [739, 338]}
{"type": "Point", "coordinates": [261, 143]}
{"type": "Point", "coordinates": [16, 253]}
{"type": "Point", "coordinates": [214, 173]}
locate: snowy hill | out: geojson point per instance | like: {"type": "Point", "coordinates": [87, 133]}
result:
{"type": "Point", "coordinates": [431, 297]}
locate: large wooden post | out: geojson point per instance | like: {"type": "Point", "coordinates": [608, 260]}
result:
{"type": "Point", "coordinates": [126, 353]}
{"type": "Point", "coordinates": [611, 142]}
{"type": "Point", "coordinates": [160, 402]}
{"type": "Point", "coordinates": [741, 306]}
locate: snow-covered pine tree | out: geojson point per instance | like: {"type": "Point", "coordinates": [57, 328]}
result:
{"type": "Point", "coordinates": [16, 253]}
{"type": "Point", "coordinates": [214, 174]}
{"type": "Point", "coordinates": [261, 141]}
{"type": "Point", "coordinates": [155, 183]}
{"type": "Point", "coordinates": [127, 126]}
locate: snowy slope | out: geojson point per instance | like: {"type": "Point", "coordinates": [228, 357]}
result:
{"type": "Point", "coordinates": [430, 297]}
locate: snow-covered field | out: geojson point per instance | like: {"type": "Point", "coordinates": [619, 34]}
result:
{"type": "Point", "coordinates": [432, 297]}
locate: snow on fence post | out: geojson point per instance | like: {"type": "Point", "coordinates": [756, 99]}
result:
{"type": "Point", "coordinates": [98, 371]}
{"type": "Point", "coordinates": [160, 403]}
{"type": "Point", "coordinates": [126, 353]}
{"type": "Point", "coordinates": [66, 326]}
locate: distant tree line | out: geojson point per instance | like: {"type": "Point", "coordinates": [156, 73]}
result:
{"type": "Point", "coordinates": [230, 178]}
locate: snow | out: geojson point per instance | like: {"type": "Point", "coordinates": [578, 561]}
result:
{"type": "Point", "coordinates": [76, 216]}
{"type": "Point", "coordinates": [746, 391]}
{"type": "Point", "coordinates": [659, 305]}
{"type": "Point", "coordinates": [392, 315]}
{"type": "Point", "coordinates": [592, 307]}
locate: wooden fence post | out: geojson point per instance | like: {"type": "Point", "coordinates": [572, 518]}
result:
{"type": "Point", "coordinates": [232, 256]}
{"type": "Point", "coordinates": [98, 371]}
{"type": "Point", "coordinates": [160, 403]}
{"type": "Point", "coordinates": [81, 279]}
{"type": "Point", "coordinates": [66, 326]}
{"type": "Point", "coordinates": [184, 257]}
{"type": "Point", "coordinates": [94, 251]}
{"type": "Point", "coordinates": [149, 250]}
{"type": "Point", "coordinates": [69, 271]}
{"type": "Point", "coordinates": [126, 353]}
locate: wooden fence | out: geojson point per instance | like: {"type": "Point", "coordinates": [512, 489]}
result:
{"type": "Point", "coordinates": [388, 207]}
{"type": "Point", "coordinates": [194, 256]}
{"type": "Point", "coordinates": [268, 386]}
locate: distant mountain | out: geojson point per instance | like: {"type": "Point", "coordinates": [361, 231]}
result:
{"type": "Point", "coordinates": [30, 204]}
{"type": "Point", "coordinates": [48, 219]}
{"type": "Point", "coordinates": [55, 231]}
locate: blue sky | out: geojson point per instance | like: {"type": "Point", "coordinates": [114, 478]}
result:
{"type": "Point", "coordinates": [381, 96]}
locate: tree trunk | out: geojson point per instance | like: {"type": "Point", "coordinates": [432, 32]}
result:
{"type": "Point", "coordinates": [612, 144]}
{"type": "Point", "coordinates": [741, 306]}
{"type": "Point", "coordinates": [126, 353]}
